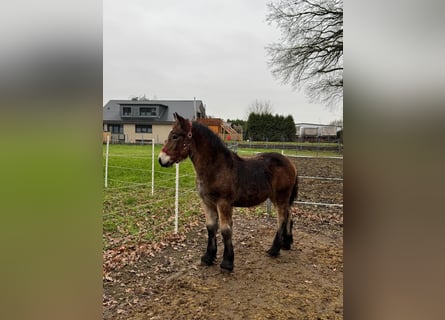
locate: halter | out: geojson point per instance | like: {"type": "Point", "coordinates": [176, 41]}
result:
{"type": "Point", "coordinates": [188, 140]}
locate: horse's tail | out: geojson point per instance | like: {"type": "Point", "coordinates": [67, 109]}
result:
{"type": "Point", "coordinates": [294, 193]}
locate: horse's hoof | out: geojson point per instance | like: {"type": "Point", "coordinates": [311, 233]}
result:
{"type": "Point", "coordinates": [226, 267]}
{"type": "Point", "coordinates": [285, 246]}
{"type": "Point", "coordinates": [227, 271]}
{"type": "Point", "coordinates": [273, 253]}
{"type": "Point", "coordinates": [207, 260]}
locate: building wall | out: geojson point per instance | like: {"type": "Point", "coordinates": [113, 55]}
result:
{"type": "Point", "coordinates": [159, 134]}
{"type": "Point", "coordinates": [216, 125]}
{"type": "Point", "coordinates": [227, 137]}
{"type": "Point", "coordinates": [105, 135]}
{"type": "Point", "coordinates": [161, 131]}
{"type": "Point", "coordinates": [314, 130]}
{"type": "Point", "coordinates": [132, 137]}
{"type": "Point", "coordinates": [215, 129]}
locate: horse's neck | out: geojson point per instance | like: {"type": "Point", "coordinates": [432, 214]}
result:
{"type": "Point", "coordinates": [201, 159]}
{"type": "Point", "coordinates": [204, 160]}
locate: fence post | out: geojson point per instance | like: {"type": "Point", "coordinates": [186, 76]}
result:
{"type": "Point", "coordinates": [106, 162]}
{"type": "Point", "coordinates": [177, 198]}
{"type": "Point", "coordinates": [152, 167]}
{"type": "Point", "coordinates": [268, 206]}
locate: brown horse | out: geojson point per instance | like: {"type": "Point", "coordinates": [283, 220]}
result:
{"type": "Point", "coordinates": [224, 180]}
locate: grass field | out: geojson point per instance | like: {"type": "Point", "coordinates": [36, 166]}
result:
{"type": "Point", "coordinates": [130, 165]}
{"type": "Point", "coordinates": [130, 213]}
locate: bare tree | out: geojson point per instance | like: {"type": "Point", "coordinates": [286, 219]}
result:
{"type": "Point", "coordinates": [260, 107]}
{"type": "Point", "coordinates": [310, 55]}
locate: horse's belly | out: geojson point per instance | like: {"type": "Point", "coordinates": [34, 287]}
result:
{"type": "Point", "coordinates": [250, 201]}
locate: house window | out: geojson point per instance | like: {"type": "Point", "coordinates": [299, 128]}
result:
{"type": "Point", "coordinates": [116, 128]}
{"type": "Point", "coordinates": [143, 128]}
{"type": "Point", "coordinates": [147, 112]}
{"type": "Point", "coordinates": [126, 111]}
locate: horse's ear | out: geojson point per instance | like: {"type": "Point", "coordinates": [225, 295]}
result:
{"type": "Point", "coordinates": [177, 117]}
{"type": "Point", "coordinates": [182, 121]}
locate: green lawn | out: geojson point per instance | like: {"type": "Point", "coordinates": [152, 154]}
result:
{"type": "Point", "coordinates": [129, 165]}
{"type": "Point", "coordinates": [130, 213]}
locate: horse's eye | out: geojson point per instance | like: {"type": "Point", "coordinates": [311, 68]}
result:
{"type": "Point", "coordinates": [175, 137]}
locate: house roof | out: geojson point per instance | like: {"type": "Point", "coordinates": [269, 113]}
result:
{"type": "Point", "coordinates": [313, 125]}
{"type": "Point", "coordinates": [112, 109]}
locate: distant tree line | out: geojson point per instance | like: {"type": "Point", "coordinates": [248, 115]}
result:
{"type": "Point", "coordinates": [262, 127]}
{"type": "Point", "coordinates": [266, 127]}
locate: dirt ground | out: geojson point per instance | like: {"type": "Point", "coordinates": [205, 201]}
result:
{"type": "Point", "coordinates": [305, 282]}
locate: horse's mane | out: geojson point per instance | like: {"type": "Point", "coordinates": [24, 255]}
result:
{"type": "Point", "coordinates": [215, 142]}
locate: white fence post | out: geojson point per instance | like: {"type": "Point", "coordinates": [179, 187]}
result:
{"type": "Point", "coordinates": [152, 167]}
{"type": "Point", "coordinates": [177, 198]}
{"type": "Point", "coordinates": [268, 206]}
{"type": "Point", "coordinates": [106, 162]}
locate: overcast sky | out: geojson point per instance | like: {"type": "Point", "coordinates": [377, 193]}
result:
{"type": "Point", "coordinates": [211, 50]}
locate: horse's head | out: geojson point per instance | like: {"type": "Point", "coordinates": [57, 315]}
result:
{"type": "Point", "coordinates": [177, 147]}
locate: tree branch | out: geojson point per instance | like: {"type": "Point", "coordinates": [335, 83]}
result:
{"type": "Point", "coordinates": [312, 47]}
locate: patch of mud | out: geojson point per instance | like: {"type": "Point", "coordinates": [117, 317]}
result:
{"type": "Point", "coordinates": [303, 283]}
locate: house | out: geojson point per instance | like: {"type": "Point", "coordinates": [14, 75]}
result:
{"type": "Point", "coordinates": [143, 120]}
{"type": "Point", "coordinates": [316, 132]}
{"type": "Point", "coordinates": [222, 129]}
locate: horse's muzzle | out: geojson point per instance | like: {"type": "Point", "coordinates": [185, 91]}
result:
{"type": "Point", "coordinates": [165, 160]}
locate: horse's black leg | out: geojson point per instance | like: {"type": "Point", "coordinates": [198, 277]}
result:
{"type": "Point", "coordinates": [278, 241]}
{"type": "Point", "coordinates": [225, 217]}
{"type": "Point", "coordinates": [229, 256]}
{"type": "Point", "coordinates": [209, 257]}
{"type": "Point", "coordinates": [283, 237]}
{"type": "Point", "coordinates": [287, 236]}
{"type": "Point", "coordinates": [212, 228]}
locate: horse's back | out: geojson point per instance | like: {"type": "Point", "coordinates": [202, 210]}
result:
{"type": "Point", "coordinates": [276, 161]}
{"type": "Point", "coordinates": [261, 176]}
{"type": "Point", "coordinates": [275, 158]}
